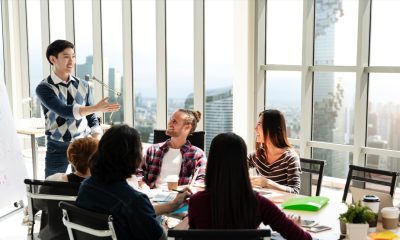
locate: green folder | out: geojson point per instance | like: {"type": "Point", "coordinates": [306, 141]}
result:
{"type": "Point", "coordinates": [306, 203]}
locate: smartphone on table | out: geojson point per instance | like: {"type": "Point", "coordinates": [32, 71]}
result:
{"type": "Point", "coordinates": [319, 228]}
{"type": "Point", "coordinates": [308, 223]}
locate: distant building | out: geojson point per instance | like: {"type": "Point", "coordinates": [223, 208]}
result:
{"type": "Point", "coordinates": [218, 116]}
{"type": "Point", "coordinates": [85, 68]}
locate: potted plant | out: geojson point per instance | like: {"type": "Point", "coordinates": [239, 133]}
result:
{"type": "Point", "coordinates": [356, 218]}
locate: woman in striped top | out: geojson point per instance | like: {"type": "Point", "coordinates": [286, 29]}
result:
{"type": "Point", "coordinates": [276, 162]}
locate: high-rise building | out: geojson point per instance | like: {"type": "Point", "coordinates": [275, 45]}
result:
{"type": "Point", "coordinates": [329, 121]}
{"type": "Point", "coordinates": [218, 112]}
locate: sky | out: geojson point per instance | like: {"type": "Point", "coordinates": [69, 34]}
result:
{"type": "Point", "coordinates": [218, 41]}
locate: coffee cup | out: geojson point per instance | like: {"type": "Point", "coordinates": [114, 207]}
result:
{"type": "Point", "coordinates": [172, 182]}
{"type": "Point", "coordinates": [390, 217]}
{"type": "Point", "coordinates": [372, 202]}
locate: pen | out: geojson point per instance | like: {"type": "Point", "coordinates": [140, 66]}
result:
{"type": "Point", "coordinates": [194, 177]}
{"type": "Point", "coordinates": [179, 191]}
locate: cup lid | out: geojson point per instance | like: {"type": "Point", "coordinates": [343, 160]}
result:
{"type": "Point", "coordinates": [172, 178]}
{"type": "Point", "coordinates": [390, 212]}
{"type": "Point", "coordinates": [371, 198]}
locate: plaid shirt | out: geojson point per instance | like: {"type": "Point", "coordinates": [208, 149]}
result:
{"type": "Point", "coordinates": [193, 158]}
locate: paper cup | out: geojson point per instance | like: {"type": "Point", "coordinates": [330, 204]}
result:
{"type": "Point", "coordinates": [390, 217]}
{"type": "Point", "coordinates": [172, 182]}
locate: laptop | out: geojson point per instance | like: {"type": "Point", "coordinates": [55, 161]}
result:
{"type": "Point", "coordinates": [385, 199]}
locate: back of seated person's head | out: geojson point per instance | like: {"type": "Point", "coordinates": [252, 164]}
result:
{"type": "Point", "coordinates": [227, 179]}
{"type": "Point", "coordinates": [79, 152]}
{"type": "Point", "coordinates": [118, 155]}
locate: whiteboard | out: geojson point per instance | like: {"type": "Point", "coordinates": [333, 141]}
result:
{"type": "Point", "coordinates": [12, 167]}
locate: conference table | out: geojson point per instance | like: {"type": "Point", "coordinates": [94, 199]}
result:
{"type": "Point", "coordinates": [328, 215]}
{"type": "Point", "coordinates": [35, 132]}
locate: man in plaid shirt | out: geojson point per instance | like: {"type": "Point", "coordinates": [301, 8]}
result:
{"type": "Point", "coordinates": [176, 156]}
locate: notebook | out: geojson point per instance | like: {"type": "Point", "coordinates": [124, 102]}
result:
{"type": "Point", "coordinates": [164, 196]}
{"type": "Point", "coordinates": [385, 198]}
{"type": "Point", "coordinates": [314, 203]}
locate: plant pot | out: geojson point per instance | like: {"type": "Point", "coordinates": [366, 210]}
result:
{"type": "Point", "coordinates": [357, 231]}
{"type": "Point", "coordinates": [342, 227]}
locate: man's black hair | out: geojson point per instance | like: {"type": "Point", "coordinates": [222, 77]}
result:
{"type": "Point", "coordinates": [56, 47]}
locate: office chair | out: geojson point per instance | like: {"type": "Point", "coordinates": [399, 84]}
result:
{"type": "Point", "coordinates": [83, 224]}
{"type": "Point", "coordinates": [214, 234]}
{"type": "Point", "coordinates": [45, 196]}
{"type": "Point", "coordinates": [310, 167]}
{"type": "Point", "coordinates": [370, 175]}
{"type": "Point", "coordinates": [196, 138]}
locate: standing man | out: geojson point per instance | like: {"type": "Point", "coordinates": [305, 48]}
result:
{"type": "Point", "coordinates": [176, 156]}
{"type": "Point", "coordinates": [67, 103]}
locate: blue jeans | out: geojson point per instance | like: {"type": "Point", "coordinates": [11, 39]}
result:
{"type": "Point", "coordinates": [56, 157]}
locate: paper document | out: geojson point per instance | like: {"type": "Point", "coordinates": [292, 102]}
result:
{"type": "Point", "coordinates": [164, 196]}
{"type": "Point", "coordinates": [267, 193]}
{"type": "Point", "coordinates": [182, 209]}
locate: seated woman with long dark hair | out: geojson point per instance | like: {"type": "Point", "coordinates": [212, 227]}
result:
{"type": "Point", "coordinates": [276, 162]}
{"type": "Point", "coordinates": [229, 201]}
{"type": "Point", "coordinates": [117, 157]}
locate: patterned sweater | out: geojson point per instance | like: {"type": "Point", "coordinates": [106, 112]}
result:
{"type": "Point", "coordinates": [285, 170]}
{"type": "Point", "coordinates": [61, 102]}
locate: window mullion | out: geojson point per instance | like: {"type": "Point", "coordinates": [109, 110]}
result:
{"type": "Point", "coordinates": [307, 78]}
{"type": "Point", "coordinates": [361, 106]}
{"type": "Point", "coordinates": [161, 64]}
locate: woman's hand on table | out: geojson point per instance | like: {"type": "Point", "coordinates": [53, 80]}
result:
{"type": "Point", "coordinates": [260, 181]}
{"type": "Point", "coordinates": [296, 219]}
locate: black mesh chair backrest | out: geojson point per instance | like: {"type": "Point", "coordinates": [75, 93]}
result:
{"type": "Point", "coordinates": [214, 234]}
{"type": "Point", "coordinates": [85, 224]}
{"type": "Point", "coordinates": [363, 175]}
{"type": "Point", "coordinates": [196, 138]}
{"type": "Point", "coordinates": [45, 196]}
{"type": "Point", "coordinates": [310, 167]}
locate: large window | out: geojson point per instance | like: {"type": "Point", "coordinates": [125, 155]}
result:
{"type": "Point", "coordinates": [179, 54]}
{"type": "Point", "coordinates": [329, 66]}
{"type": "Point", "coordinates": [57, 19]}
{"type": "Point", "coordinates": [384, 111]}
{"type": "Point", "coordinates": [35, 52]}
{"type": "Point", "coordinates": [385, 35]}
{"type": "Point", "coordinates": [218, 24]}
{"type": "Point", "coordinates": [343, 68]}
{"type": "Point", "coordinates": [333, 107]}
{"type": "Point", "coordinates": [287, 100]}
{"type": "Point", "coordinates": [83, 38]}
{"type": "Point", "coordinates": [335, 32]}
{"type": "Point", "coordinates": [284, 28]}
{"type": "Point", "coordinates": [285, 15]}
{"type": "Point", "coordinates": [112, 55]}
{"type": "Point", "coordinates": [144, 66]}
{"type": "Point", "coordinates": [383, 118]}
